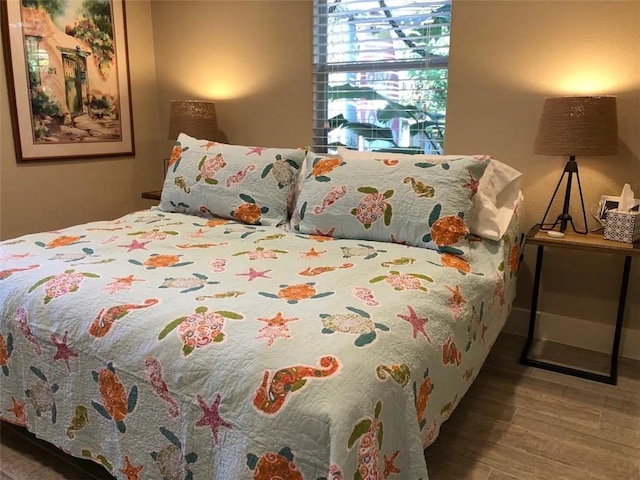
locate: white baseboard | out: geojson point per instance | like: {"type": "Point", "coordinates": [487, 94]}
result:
{"type": "Point", "coordinates": [575, 332]}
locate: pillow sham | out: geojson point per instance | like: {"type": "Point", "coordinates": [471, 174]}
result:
{"type": "Point", "coordinates": [250, 184]}
{"type": "Point", "coordinates": [497, 191]}
{"type": "Point", "coordinates": [405, 200]}
{"type": "Point", "coordinates": [496, 199]}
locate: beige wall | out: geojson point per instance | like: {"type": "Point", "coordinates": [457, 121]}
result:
{"type": "Point", "coordinates": [254, 59]}
{"type": "Point", "coordinates": [51, 195]}
{"type": "Point", "coordinates": [506, 57]}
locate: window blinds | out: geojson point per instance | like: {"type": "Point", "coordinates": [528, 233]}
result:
{"type": "Point", "coordinates": [380, 74]}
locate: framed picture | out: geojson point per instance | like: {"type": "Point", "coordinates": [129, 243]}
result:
{"type": "Point", "coordinates": [68, 78]}
{"type": "Point", "coordinates": [608, 202]}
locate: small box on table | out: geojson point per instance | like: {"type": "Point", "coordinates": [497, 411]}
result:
{"type": "Point", "coordinates": [622, 226]}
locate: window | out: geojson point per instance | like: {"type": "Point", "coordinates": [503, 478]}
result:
{"type": "Point", "coordinates": [380, 74]}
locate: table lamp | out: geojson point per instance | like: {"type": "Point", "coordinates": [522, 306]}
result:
{"type": "Point", "coordinates": [196, 118]}
{"type": "Point", "coordinates": [585, 125]}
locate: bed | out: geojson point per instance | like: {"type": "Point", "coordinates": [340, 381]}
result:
{"type": "Point", "coordinates": [303, 332]}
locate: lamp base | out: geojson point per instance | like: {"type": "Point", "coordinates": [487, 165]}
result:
{"type": "Point", "coordinates": [564, 219]}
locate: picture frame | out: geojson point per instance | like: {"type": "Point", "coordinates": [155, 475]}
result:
{"type": "Point", "coordinates": [609, 202]}
{"type": "Point", "coordinates": [67, 72]}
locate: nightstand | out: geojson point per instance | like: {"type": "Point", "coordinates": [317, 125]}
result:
{"type": "Point", "coordinates": [154, 195]}
{"type": "Point", "coordinates": [592, 242]}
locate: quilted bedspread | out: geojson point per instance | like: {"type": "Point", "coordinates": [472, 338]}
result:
{"type": "Point", "coordinates": [164, 345]}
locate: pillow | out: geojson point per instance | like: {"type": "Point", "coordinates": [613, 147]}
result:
{"type": "Point", "coordinates": [496, 199]}
{"type": "Point", "coordinates": [250, 184]}
{"type": "Point", "coordinates": [389, 158]}
{"type": "Point", "coordinates": [404, 200]}
{"type": "Point", "coordinates": [497, 191]}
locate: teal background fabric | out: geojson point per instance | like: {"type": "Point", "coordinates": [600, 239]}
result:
{"type": "Point", "coordinates": [400, 200]}
{"type": "Point", "coordinates": [250, 184]}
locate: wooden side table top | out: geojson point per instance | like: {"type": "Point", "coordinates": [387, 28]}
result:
{"type": "Point", "coordinates": [592, 241]}
{"type": "Point", "coordinates": [154, 195]}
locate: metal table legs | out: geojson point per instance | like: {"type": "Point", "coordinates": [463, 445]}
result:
{"type": "Point", "coordinates": [612, 378]}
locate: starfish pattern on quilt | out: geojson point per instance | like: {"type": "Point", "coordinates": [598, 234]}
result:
{"type": "Point", "coordinates": [135, 245]}
{"type": "Point", "coordinates": [209, 144]}
{"type": "Point", "coordinates": [417, 323]}
{"type": "Point", "coordinates": [389, 465]}
{"type": "Point", "coordinates": [253, 274]}
{"type": "Point", "coordinates": [15, 256]}
{"type": "Point", "coordinates": [275, 328]}
{"type": "Point", "coordinates": [18, 410]}
{"type": "Point", "coordinates": [211, 417]}
{"type": "Point", "coordinates": [313, 253]}
{"type": "Point", "coordinates": [256, 150]}
{"type": "Point", "coordinates": [63, 351]}
{"type": "Point", "coordinates": [121, 283]}
{"type": "Point", "coordinates": [130, 471]}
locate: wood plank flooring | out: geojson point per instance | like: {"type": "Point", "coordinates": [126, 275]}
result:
{"type": "Point", "coordinates": [515, 423]}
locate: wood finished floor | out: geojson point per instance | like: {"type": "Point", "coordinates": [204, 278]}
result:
{"type": "Point", "coordinates": [515, 423]}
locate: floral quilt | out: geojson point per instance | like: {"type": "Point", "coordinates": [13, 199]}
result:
{"type": "Point", "coordinates": [166, 345]}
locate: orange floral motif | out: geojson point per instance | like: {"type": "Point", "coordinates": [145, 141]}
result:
{"type": "Point", "coordinates": [161, 261]}
{"type": "Point", "coordinates": [450, 353]}
{"type": "Point", "coordinates": [453, 261]}
{"type": "Point", "coordinates": [176, 153]}
{"type": "Point", "coordinates": [117, 404]}
{"type": "Point", "coordinates": [297, 292]}
{"type": "Point", "coordinates": [6, 348]}
{"type": "Point", "coordinates": [320, 238]}
{"type": "Point", "coordinates": [207, 145]}
{"type": "Point", "coordinates": [271, 465]}
{"type": "Point", "coordinates": [325, 166]}
{"type": "Point", "coordinates": [63, 241]}
{"type": "Point", "coordinates": [4, 352]}
{"type": "Point", "coordinates": [113, 394]}
{"type": "Point", "coordinates": [456, 302]}
{"type": "Point", "coordinates": [131, 471]}
{"type": "Point", "coordinates": [422, 399]}
{"type": "Point", "coordinates": [216, 222]}
{"type": "Point", "coordinates": [514, 257]}
{"type": "Point", "coordinates": [389, 465]}
{"type": "Point", "coordinates": [18, 410]}
{"type": "Point", "coordinates": [313, 253]}
{"type": "Point", "coordinates": [448, 230]}
{"type": "Point", "coordinates": [248, 213]}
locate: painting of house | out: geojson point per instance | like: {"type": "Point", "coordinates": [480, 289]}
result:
{"type": "Point", "coordinates": [72, 83]}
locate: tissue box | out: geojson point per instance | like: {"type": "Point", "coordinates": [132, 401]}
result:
{"type": "Point", "coordinates": [622, 226]}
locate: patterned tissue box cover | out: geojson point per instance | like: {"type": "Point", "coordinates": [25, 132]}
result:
{"type": "Point", "coordinates": [622, 226]}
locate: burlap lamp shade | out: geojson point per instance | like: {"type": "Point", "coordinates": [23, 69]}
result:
{"type": "Point", "coordinates": [578, 126]}
{"type": "Point", "coordinates": [196, 118]}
